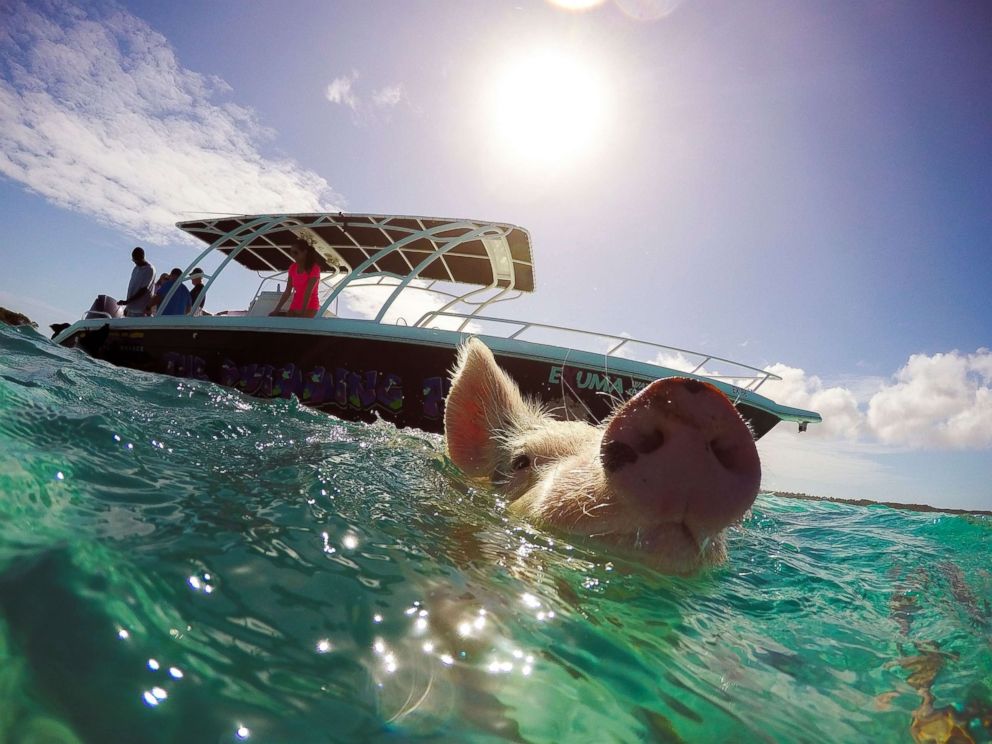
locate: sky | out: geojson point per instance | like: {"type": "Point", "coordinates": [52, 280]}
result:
{"type": "Point", "coordinates": [804, 187]}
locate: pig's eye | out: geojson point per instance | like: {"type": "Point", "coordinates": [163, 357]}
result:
{"type": "Point", "coordinates": [520, 462]}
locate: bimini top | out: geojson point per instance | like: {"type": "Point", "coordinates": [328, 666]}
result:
{"type": "Point", "coordinates": [489, 254]}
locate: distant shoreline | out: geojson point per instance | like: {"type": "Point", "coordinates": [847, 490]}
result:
{"type": "Point", "coordinates": [14, 318]}
{"type": "Point", "coordinates": [890, 504]}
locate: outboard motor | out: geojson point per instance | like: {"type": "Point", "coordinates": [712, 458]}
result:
{"type": "Point", "coordinates": [104, 306]}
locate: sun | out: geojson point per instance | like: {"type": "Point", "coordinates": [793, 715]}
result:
{"type": "Point", "coordinates": [577, 5]}
{"type": "Point", "coordinates": [549, 108]}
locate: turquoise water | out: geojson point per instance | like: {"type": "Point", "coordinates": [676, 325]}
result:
{"type": "Point", "coordinates": [179, 563]}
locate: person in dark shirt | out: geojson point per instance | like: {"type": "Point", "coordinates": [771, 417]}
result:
{"type": "Point", "coordinates": [180, 303]}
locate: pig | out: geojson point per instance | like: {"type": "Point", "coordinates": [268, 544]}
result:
{"type": "Point", "coordinates": [659, 481]}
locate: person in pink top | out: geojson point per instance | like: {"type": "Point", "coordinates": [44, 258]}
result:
{"type": "Point", "coordinates": [304, 276]}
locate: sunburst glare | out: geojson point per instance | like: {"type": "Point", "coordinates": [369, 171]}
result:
{"type": "Point", "coordinates": [578, 5]}
{"type": "Point", "coordinates": [550, 108]}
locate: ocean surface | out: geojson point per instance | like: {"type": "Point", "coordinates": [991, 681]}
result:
{"type": "Point", "coordinates": [180, 563]}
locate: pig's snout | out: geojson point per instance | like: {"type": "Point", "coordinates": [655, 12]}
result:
{"type": "Point", "coordinates": [679, 453]}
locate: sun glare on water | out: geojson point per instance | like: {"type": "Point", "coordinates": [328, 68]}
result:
{"type": "Point", "coordinates": [550, 108]}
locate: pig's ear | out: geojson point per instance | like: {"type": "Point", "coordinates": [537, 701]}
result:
{"type": "Point", "coordinates": [482, 403]}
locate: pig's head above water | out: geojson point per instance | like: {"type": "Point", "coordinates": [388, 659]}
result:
{"type": "Point", "coordinates": [661, 479]}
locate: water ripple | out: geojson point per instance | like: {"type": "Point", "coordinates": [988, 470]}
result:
{"type": "Point", "coordinates": [181, 563]}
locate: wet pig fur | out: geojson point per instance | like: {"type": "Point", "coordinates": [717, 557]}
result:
{"type": "Point", "coordinates": [660, 480]}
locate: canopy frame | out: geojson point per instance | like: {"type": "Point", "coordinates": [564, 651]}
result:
{"type": "Point", "coordinates": [494, 257]}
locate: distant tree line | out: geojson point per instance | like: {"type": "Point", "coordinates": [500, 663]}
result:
{"type": "Point", "coordinates": [867, 502]}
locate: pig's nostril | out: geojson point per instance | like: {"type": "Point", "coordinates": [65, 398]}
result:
{"type": "Point", "coordinates": [650, 442]}
{"type": "Point", "coordinates": [725, 455]}
{"type": "Point", "coordinates": [693, 386]}
{"type": "Point", "coordinates": [616, 455]}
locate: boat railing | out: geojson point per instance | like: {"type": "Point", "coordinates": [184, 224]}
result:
{"type": "Point", "coordinates": [611, 345]}
{"type": "Point", "coordinates": [620, 347]}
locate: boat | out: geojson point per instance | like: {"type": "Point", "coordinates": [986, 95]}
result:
{"type": "Point", "coordinates": [393, 361]}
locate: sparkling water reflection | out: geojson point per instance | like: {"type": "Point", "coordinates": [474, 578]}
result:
{"type": "Point", "coordinates": [179, 563]}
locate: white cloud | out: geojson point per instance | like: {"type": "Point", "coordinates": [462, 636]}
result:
{"type": "Point", "coordinates": [943, 401]}
{"type": "Point", "coordinates": [97, 115]}
{"type": "Point", "coordinates": [678, 361]}
{"type": "Point", "coordinates": [841, 415]}
{"type": "Point", "coordinates": [388, 96]}
{"type": "Point", "coordinates": [339, 91]}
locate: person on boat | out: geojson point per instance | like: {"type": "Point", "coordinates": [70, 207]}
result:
{"type": "Point", "coordinates": [180, 303]}
{"type": "Point", "coordinates": [139, 289]}
{"type": "Point", "coordinates": [196, 276]}
{"type": "Point", "coordinates": [162, 279]}
{"type": "Point", "coordinates": [304, 276]}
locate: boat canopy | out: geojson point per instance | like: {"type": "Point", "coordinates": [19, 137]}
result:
{"type": "Point", "coordinates": [488, 254]}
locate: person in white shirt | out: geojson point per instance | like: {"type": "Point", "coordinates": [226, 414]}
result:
{"type": "Point", "coordinates": [139, 290]}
